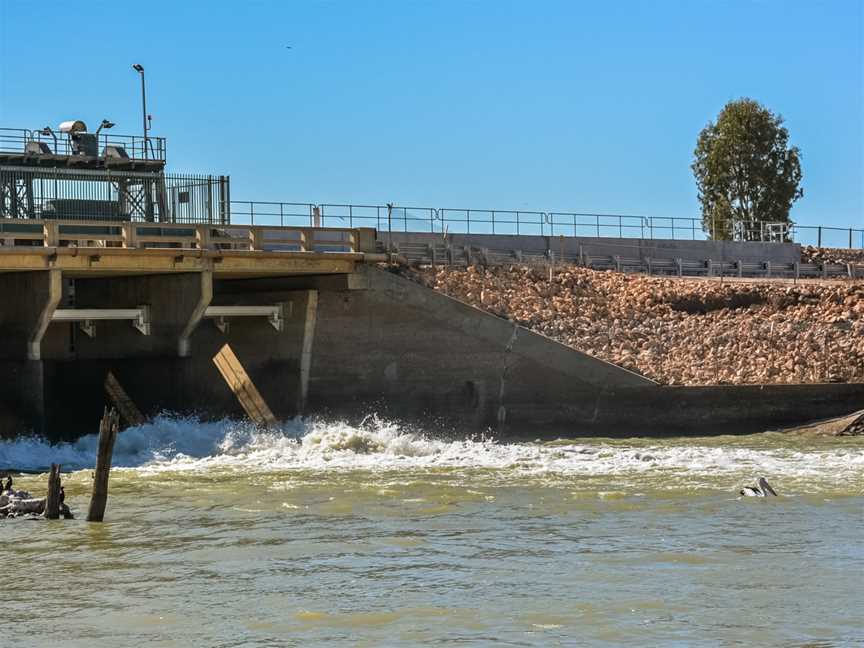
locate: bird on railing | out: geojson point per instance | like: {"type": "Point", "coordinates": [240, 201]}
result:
{"type": "Point", "coordinates": [762, 489]}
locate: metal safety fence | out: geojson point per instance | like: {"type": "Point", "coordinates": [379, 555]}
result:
{"type": "Point", "coordinates": [100, 195]}
{"type": "Point", "coordinates": [397, 218]}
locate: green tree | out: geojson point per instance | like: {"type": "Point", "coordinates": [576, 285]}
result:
{"type": "Point", "coordinates": [746, 172]}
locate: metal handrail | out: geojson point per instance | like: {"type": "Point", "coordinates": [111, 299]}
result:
{"type": "Point", "coordinates": [525, 222]}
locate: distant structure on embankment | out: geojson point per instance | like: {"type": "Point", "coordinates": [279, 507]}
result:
{"type": "Point", "coordinates": [109, 263]}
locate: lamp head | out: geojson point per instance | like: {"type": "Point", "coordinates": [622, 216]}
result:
{"type": "Point", "coordinates": [138, 67]}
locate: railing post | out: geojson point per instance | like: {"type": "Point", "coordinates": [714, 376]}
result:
{"type": "Point", "coordinates": [850, 238]}
{"type": "Point", "coordinates": [281, 215]}
{"type": "Point", "coordinates": [202, 233]}
{"type": "Point", "coordinates": [493, 223]}
{"type": "Point", "coordinates": [468, 222]}
{"type": "Point", "coordinates": [255, 239]}
{"type": "Point", "coordinates": [51, 233]}
{"type": "Point", "coordinates": [819, 237]}
{"type": "Point", "coordinates": [517, 223]}
{"type": "Point", "coordinates": [597, 217]}
{"type": "Point", "coordinates": [129, 235]}
{"type": "Point", "coordinates": [251, 213]}
{"type": "Point", "coordinates": [620, 228]}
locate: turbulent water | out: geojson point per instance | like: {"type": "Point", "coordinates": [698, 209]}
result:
{"type": "Point", "coordinates": [218, 534]}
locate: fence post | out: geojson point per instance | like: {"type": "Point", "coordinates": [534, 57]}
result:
{"type": "Point", "coordinates": [468, 222]}
{"type": "Point", "coordinates": [251, 213]}
{"type": "Point", "coordinates": [819, 237]}
{"type": "Point", "coordinates": [597, 217]}
{"type": "Point", "coordinates": [850, 238]}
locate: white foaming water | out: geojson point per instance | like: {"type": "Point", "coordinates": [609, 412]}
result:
{"type": "Point", "coordinates": [170, 443]}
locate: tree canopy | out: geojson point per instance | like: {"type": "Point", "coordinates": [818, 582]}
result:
{"type": "Point", "coordinates": [746, 172]}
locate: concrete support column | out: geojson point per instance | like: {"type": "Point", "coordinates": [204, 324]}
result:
{"type": "Point", "coordinates": [177, 304]}
{"type": "Point", "coordinates": [309, 322]}
{"type": "Point", "coordinates": [29, 301]}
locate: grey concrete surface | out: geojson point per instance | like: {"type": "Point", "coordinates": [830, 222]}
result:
{"type": "Point", "coordinates": [727, 251]}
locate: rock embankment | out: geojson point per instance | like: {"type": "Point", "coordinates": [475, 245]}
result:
{"type": "Point", "coordinates": [677, 331]}
{"type": "Point", "coordinates": [812, 254]}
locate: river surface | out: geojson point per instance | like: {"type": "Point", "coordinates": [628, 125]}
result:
{"type": "Point", "coordinates": [332, 535]}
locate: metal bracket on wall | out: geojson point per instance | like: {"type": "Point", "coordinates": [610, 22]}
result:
{"type": "Point", "coordinates": [87, 317]}
{"type": "Point", "coordinates": [275, 314]}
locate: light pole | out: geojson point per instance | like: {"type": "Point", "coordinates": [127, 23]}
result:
{"type": "Point", "coordinates": [140, 70]}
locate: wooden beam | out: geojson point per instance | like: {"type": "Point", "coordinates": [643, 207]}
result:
{"type": "Point", "coordinates": [127, 408]}
{"type": "Point", "coordinates": [242, 386]}
{"type": "Point", "coordinates": [108, 428]}
{"type": "Point", "coordinates": [52, 502]}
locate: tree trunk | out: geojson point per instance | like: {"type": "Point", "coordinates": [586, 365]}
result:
{"type": "Point", "coordinates": [52, 502]}
{"type": "Point", "coordinates": [107, 435]}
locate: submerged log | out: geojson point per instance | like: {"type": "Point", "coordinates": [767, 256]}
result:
{"type": "Point", "coordinates": [52, 501]}
{"type": "Point", "coordinates": [11, 505]}
{"type": "Point", "coordinates": [107, 435]}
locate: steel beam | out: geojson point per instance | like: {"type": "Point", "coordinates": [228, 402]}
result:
{"type": "Point", "coordinates": [274, 313]}
{"type": "Point", "coordinates": [140, 317]}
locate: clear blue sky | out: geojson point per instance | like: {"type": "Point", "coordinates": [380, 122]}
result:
{"type": "Point", "coordinates": [588, 106]}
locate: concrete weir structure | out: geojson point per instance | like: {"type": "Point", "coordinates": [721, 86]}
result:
{"type": "Point", "coordinates": [324, 333]}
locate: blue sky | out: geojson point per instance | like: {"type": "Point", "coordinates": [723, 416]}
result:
{"type": "Point", "coordinates": [586, 106]}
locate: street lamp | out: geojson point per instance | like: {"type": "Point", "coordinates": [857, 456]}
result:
{"type": "Point", "coordinates": [140, 70]}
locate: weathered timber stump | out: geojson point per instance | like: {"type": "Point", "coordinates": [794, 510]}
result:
{"type": "Point", "coordinates": [52, 501]}
{"type": "Point", "coordinates": [108, 428]}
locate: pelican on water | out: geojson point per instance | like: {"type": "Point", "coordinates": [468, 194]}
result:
{"type": "Point", "coordinates": [762, 489]}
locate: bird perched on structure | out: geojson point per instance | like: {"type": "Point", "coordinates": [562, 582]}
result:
{"type": "Point", "coordinates": [762, 489]}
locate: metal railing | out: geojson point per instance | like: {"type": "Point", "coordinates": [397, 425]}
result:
{"type": "Point", "coordinates": [396, 218]}
{"type": "Point", "coordinates": [128, 235]}
{"type": "Point", "coordinates": [51, 193]}
{"type": "Point", "coordinates": [14, 140]}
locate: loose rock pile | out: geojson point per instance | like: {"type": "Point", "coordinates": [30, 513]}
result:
{"type": "Point", "coordinates": [677, 331]}
{"type": "Point", "coordinates": [812, 254]}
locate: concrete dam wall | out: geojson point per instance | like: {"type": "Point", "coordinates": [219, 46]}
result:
{"type": "Point", "coordinates": [363, 343]}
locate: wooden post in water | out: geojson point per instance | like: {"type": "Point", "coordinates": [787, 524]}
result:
{"type": "Point", "coordinates": [107, 435]}
{"type": "Point", "coordinates": [243, 387]}
{"type": "Point", "coordinates": [128, 410]}
{"type": "Point", "coordinates": [52, 502]}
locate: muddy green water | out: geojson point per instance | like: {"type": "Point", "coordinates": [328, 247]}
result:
{"type": "Point", "coordinates": [328, 535]}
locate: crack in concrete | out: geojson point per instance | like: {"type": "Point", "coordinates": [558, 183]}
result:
{"type": "Point", "coordinates": [508, 349]}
